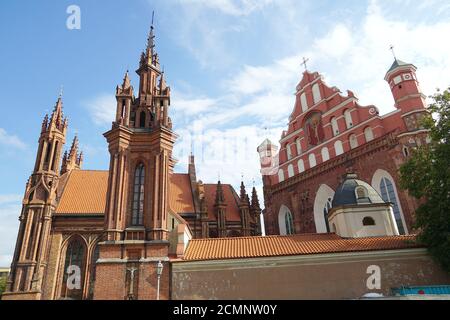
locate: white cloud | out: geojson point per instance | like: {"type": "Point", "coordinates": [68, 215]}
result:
{"type": "Point", "coordinates": [230, 7]}
{"type": "Point", "coordinates": [11, 140]}
{"type": "Point", "coordinates": [102, 109]}
{"type": "Point", "coordinates": [352, 56]}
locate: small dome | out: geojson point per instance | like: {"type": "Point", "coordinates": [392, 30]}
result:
{"type": "Point", "coordinates": [353, 192]}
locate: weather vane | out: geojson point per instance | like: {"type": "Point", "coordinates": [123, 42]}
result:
{"type": "Point", "coordinates": [393, 52]}
{"type": "Point", "coordinates": [61, 90]}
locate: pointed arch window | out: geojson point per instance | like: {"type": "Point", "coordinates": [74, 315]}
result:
{"type": "Point", "coordinates": [289, 222]}
{"type": "Point", "coordinates": [388, 194]}
{"type": "Point", "coordinates": [73, 278]}
{"type": "Point", "coordinates": [138, 196]}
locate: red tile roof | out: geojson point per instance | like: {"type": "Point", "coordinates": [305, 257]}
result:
{"type": "Point", "coordinates": [253, 247]}
{"type": "Point", "coordinates": [84, 193]}
{"type": "Point", "coordinates": [231, 199]}
{"type": "Point", "coordinates": [180, 194]}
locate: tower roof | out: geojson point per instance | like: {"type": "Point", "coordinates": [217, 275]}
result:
{"type": "Point", "coordinates": [397, 64]}
{"type": "Point", "coordinates": [346, 192]}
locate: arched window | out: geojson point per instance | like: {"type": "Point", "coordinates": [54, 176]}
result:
{"type": "Point", "coordinates": [289, 223]}
{"type": "Point", "coordinates": [142, 119]}
{"type": "Point", "coordinates": [290, 170]}
{"type": "Point", "coordinates": [353, 141]}
{"type": "Point", "coordinates": [326, 210]}
{"type": "Point", "coordinates": [73, 278]}
{"type": "Point", "coordinates": [304, 102]}
{"type": "Point", "coordinates": [299, 146]}
{"type": "Point", "coordinates": [280, 175]}
{"type": "Point", "coordinates": [348, 118]}
{"type": "Point", "coordinates": [388, 195]}
{"type": "Point", "coordinates": [316, 93]}
{"type": "Point", "coordinates": [368, 134]}
{"type": "Point", "coordinates": [334, 126]}
{"type": "Point", "coordinates": [285, 221]}
{"type": "Point", "coordinates": [301, 166]}
{"type": "Point", "coordinates": [312, 160]}
{"type": "Point", "coordinates": [138, 196]}
{"type": "Point", "coordinates": [368, 221]}
{"type": "Point", "coordinates": [325, 154]}
{"type": "Point", "coordinates": [338, 148]}
{"type": "Point", "coordinates": [361, 192]}
{"type": "Point", "coordinates": [288, 151]}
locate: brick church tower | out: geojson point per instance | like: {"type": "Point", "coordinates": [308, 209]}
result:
{"type": "Point", "coordinates": [140, 144]}
{"type": "Point", "coordinates": [39, 202]}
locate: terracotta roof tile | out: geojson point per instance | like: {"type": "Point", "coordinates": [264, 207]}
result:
{"type": "Point", "coordinates": [180, 194]}
{"type": "Point", "coordinates": [84, 193]}
{"type": "Point", "coordinates": [231, 199]}
{"type": "Point", "coordinates": [251, 247]}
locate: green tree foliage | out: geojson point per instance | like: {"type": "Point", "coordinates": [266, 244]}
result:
{"type": "Point", "coordinates": [2, 285]}
{"type": "Point", "coordinates": [426, 176]}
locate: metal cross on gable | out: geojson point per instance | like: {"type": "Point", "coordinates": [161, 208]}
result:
{"type": "Point", "coordinates": [305, 60]}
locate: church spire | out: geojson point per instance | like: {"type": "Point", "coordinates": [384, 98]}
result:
{"type": "Point", "coordinates": [73, 159]}
{"type": "Point", "coordinates": [255, 201]}
{"type": "Point", "coordinates": [220, 199]}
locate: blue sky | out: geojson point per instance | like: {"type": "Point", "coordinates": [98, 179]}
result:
{"type": "Point", "coordinates": [232, 66]}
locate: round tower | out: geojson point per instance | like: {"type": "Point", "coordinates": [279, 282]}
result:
{"type": "Point", "coordinates": [405, 87]}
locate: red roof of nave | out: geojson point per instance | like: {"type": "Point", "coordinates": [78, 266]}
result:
{"type": "Point", "coordinates": [84, 193]}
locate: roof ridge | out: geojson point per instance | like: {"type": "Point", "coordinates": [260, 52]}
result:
{"type": "Point", "coordinates": [270, 237]}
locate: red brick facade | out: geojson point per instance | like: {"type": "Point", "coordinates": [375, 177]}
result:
{"type": "Point", "coordinates": [330, 134]}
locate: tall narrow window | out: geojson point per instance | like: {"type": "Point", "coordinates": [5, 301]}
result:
{"type": "Point", "coordinates": [368, 133]}
{"type": "Point", "coordinates": [334, 126]}
{"type": "Point", "coordinates": [289, 223]}
{"type": "Point", "coordinates": [290, 170]}
{"type": "Point", "coordinates": [348, 118]}
{"type": "Point", "coordinates": [288, 151]}
{"type": "Point", "coordinates": [353, 141]}
{"type": "Point", "coordinates": [299, 147]}
{"type": "Point", "coordinates": [280, 175]}
{"type": "Point", "coordinates": [316, 93]}
{"type": "Point", "coordinates": [312, 160]}
{"type": "Point", "coordinates": [325, 154]}
{"type": "Point", "coordinates": [138, 196]}
{"type": "Point", "coordinates": [338, 148]}
{"type": "Point", "coordinates": [388, 195]}
{"type": "Point", "coordinates": [55, 152]}
{"type": "Point", "coordinates": [301, 166]}
{"type": "Point", "coordinates": [326, 210]}
{"type": "Point", "coordinates": [304, 102]}
{"type": "Point", "coordinates": [142, 120]}
{"type": "Point", "coordinates": [72, 282]}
